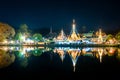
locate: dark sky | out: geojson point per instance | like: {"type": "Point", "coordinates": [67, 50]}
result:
{"type": "Point", "coordinates": [40, 15]}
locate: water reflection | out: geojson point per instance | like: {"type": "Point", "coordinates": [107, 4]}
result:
{"type": "Point", "coordinates": [23, 55]}
{"type": "Point", "coordinates": [8, 54]}
{"type": "Point", "coordinates": [75, 53]}
{"type": "Point", "coordinates": [61, 53]}
{"type": "Point", "coordinates": [6, 58]}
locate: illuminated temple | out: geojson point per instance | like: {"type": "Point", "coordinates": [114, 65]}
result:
{"type": "Point", "coordinates": [61, 36]}
{"type": "Point", "coordinates": [74, 36]}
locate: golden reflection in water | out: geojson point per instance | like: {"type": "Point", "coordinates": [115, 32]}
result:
{"type": "Point", "coordinates": [100, 52]}
{"type": "Point", "coordinates": [6, 58]}
{"type": "Point", "coordinates": [111, 51]}
{"type": "Point", "coordinates": [74, 56]}
{"type": "Point", "coordinates": [83, 51]}
{"type": "Point", "coordinates": [93, 52]}
{"type": "Point", "coordinates": [61, 53]}
{"type": "Point", "coordinates": [118, 55]}
{"type": "Point", "coordinates": [74, 53]}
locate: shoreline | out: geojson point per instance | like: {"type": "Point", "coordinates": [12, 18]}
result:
{"type": "Point", "coordinates": [64, 45]}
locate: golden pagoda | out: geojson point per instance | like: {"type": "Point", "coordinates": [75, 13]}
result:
{"type": "Point", "coordinates": [73, 36]}
{"type": "Point", "coordinates": [61, 36]}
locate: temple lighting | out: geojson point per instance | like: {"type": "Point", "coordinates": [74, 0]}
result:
{"type": "Point", "coordinates": [61, 36]}
{"type": "Point", "coordinates": [74, 36]}
{"type": "Point", "coordinates": [74, 54]}
{"type": "Point", "coordinates": [100, 39]}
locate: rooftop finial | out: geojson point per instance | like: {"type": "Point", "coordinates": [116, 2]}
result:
{"type": "Point", "coordinates": [73, 21]}
{"type": "Point", "coordinates": [51, 30]}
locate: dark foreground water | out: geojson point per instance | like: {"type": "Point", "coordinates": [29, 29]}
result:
{"type": "Point", "coordinates": [61, 62]}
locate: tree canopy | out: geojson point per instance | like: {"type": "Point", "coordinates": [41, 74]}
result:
{"type": "Point", "coordinates": [109, 36]}
{"type": "Point", "coordinates": [37, 37]}
{"type": "Point", "coordinates": [6, 31]}
{"type": "Point", "coordinates": [24, 30]}
{"type": "Point", "coordinates": [117, 36]}
{"type": "Point", "coordinates": [18, 36]}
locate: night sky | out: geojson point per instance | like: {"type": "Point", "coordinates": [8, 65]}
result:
{"type": "Point", "coordinates": [40, 15]}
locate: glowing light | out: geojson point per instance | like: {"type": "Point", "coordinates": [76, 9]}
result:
{"type": "Point", "coordinates": [5, 48]}
{"type": "Point", "coordinates": [23, 38]}
{"type": "Point", "coordinates": [11, 42]}
{"type": "Point", "coordinates": [100, 39]}
{"type": "Point", "coordinates": [74, 56]}
{"type": "Point", "coordinates": [112, 51]}
{"type": "Point", "coordinates": [74, 36]}
{"type": "Point", "coordinates": [5, 42]}
{"type": "Point", "coordinates": [41, 43]}
{"type": "Point", "coordinates": [61, 36]}
{"type": "Point", "coordinates": [61, 53]}
{"type": "Point", "coordinates": [111, 41]}
{"type": "Point", "coordinates": [11, 48]}
{"type": "Point", "coordinates": [100, 52]}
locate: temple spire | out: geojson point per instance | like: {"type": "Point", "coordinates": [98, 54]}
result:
{"type": "Point", "coordinates": [51, 30]}
{"type": "Point", "coordinates": [61, 36]}
{"type": "Point", "coordinates": [73, 25]}
{"type": "Point", "coordinates": [100, 36]}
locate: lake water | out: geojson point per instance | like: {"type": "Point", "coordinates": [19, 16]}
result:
{"type": "Point", "coordinates": [59, 61]}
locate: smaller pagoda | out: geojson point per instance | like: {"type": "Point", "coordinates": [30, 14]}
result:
{"type": "Point", "coordinates": [61, 36]}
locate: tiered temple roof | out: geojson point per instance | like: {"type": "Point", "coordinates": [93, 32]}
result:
{"type": "Point", "coordinates": [74, 36]}
{"type": "Point", "coordinates": [61, 36]}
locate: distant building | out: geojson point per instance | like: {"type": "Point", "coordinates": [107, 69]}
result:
{"type": "Point", "coordinates": [88, 35]}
